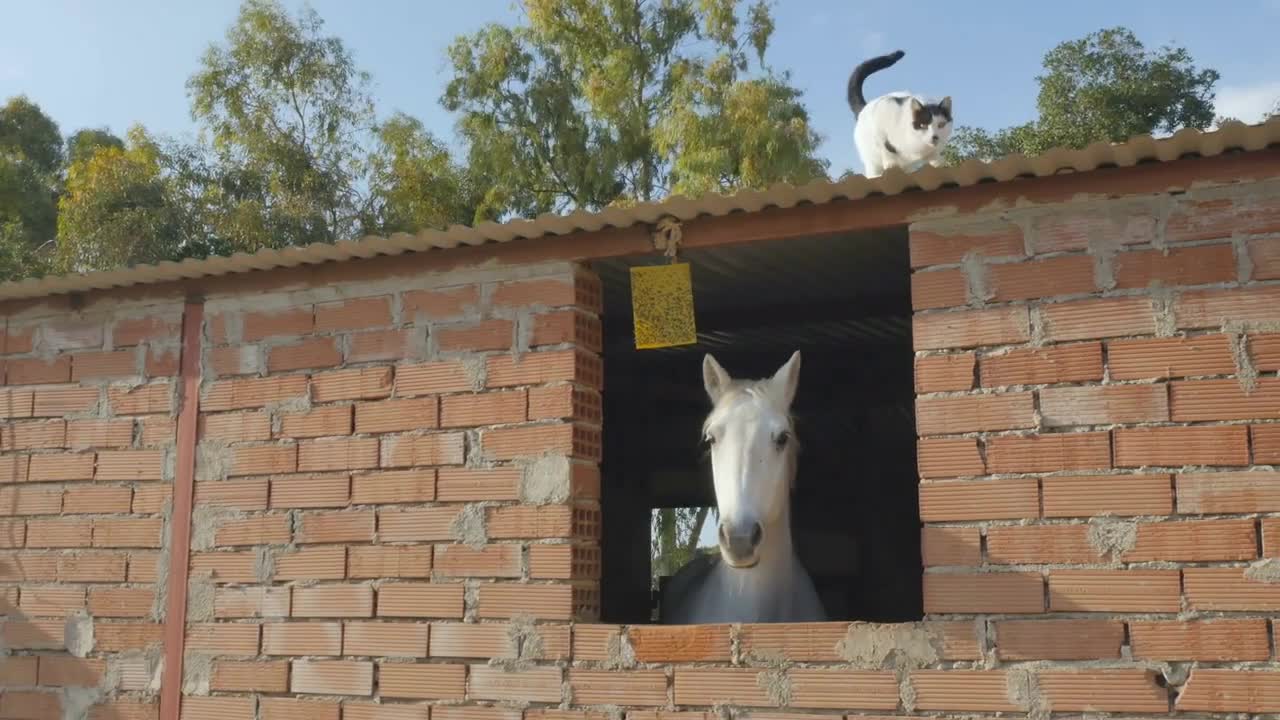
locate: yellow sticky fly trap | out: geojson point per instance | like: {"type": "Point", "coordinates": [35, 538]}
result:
{"type": "Point", "coordinates": [662, 306]}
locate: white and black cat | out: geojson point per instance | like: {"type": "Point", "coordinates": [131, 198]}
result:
{"type": "Point", "coordinates": [897, 129]}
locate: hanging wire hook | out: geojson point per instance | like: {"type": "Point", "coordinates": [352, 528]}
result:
{"type": "Point", "coordinates": [667, 236]}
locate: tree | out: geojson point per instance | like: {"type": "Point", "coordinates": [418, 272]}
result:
{"type": "Point", "coordinates": [30, 160]}
{"type": "Point", "coordinates": [286, 110]}
{"type": "Point", "coordinates": [415, 183]}
{"type": "Point", "coordinates": [84, 143]}
{"type": "Point", "coordinates": [121, 208]}
{"type": "Point", "coordinates": [1104, 87]}
{"type": "Point", "coordinates": [673, 538]}
{"type": "Point", "coordinates": [599, 102]}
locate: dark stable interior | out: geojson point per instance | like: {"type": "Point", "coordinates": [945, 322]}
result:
{"type": "Point", "coordinates": [845, 303]}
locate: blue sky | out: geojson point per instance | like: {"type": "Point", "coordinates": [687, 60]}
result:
{"type": "Point", "coordinates": [98, 63]}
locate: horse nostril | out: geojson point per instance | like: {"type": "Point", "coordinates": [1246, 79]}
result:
{"type": "Point", "coordinates": [756, 533]}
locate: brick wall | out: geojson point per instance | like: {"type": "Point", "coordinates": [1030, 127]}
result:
{"type": "Point", "coordinates": [86, 451]}
{"type": "Point", "coordinates": [397, 495]}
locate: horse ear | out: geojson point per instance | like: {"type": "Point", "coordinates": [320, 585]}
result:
{"type": "Point", "coordinates": [714, 378]}
{"type": "Point", "coordinates": [788, 377]}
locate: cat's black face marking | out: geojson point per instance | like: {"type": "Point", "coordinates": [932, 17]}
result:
{"type": "Point", "coordinates": [889, 146]}
{"type": "Point", "coordinates": [923, 116]}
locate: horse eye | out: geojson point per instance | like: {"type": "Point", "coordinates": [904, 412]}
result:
{"type": "Point", "coordinates": [709, 439]}
{"type": "Point", "coordinates": [782, 438]}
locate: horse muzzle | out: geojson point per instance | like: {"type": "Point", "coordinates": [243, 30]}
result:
{"type": "Point", "coordinates": [740, 542]}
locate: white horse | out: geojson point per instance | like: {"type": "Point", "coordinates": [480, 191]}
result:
{"type": "Point", "coordinates": [756, 576]}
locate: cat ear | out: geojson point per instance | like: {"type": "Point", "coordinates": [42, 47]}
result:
{"type": "Point", "coordinates": [946, 104]}
{"type": "Point", "coordinates": [916, 106]}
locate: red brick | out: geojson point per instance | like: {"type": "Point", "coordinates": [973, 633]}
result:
{"type": "Point", "coordinates": [357, 314]}
{"type": "Point", "coordinates": [538, 684]}
{"type": "Point", "coordinates": [939, 289]}
{"type": "Point", "coordinates": [255, 530]}
{"type": "Point", "coordinates": [432, 378]}
{"type": "Point", "coordinates": [1013, 593]}
{"type": "Point", "coordinates": [471, 484]}
{"type": "Point", "coordinates": [528, 441]}
{"type": "Point", "coordinates": [416, 450]}
{"type": "Point", "coordinates": [416, 524]}
{"type": "Point", "coordinates": [17, 404]}
{"type": "Point", "coordinates": [394, 486]}
{"type": "Point", "coordinates": [581, 289]}
{"type": "Point", "coordinates": [1103, 405]}
{"type": "Point", "coordinates": [92, 567]}
{"type": "Point", "coordinates": [196, 707]}
{"type": "Point", "coordinates": [323, 562]}
{"type": "Point", "coordinates": [1162, 358]}
{"type": "Point", "coordinates": [1230, 691]}
{"type": "Point", "coordinates": [30, 704]}
{"type": "Point", "coordinates": [253, 393]}
{"type": "Point", "coordinates": [489, 561]}
{"type": "Point", "coordinates": [312, 638]}
{"type": "Point", "coordinates": [971, 328]}
{"type": "Point", "coordinates": [686, 644]}
{"type": "Point", "coordinates": [397, 415]}
{"type": "Point", "coordinates": [538, 522]}
{"type": "Point", "coordinates": [991, 239]}
{"type": "Point", "coordinates": [66, 671]}
{"type": "Point", "coordinates": [37, 371]}
{"type": "Point", "coordinates": [57, 601]}
{"type": "Point", "coordinates": [59, 533]}
{"type": "Point", "coordinates": [31, 501]}
{"type": "Point", "coordinates": [1049, 453]}
{"type": "Point", "coordinates": [332, 601]}
{"type": "Point", "coordinates": [1039, 544]}
{"type": "Point", "coordinates": [235, 360]}
{"type": "Point", "coordinates": [940, 546]}
{"type": "Point", "coordinates": [357, 384]}
{"type": "Point", "coordinates": [332, 677]}
{"type": "Point", "coordinates": [320, 422]}
{"type": "Point", "coordinates": [18, 340]}
{"type": "Point", "coordinates": [99, 433]}
{"type": "Point", "coordinates": [979, 500]}
{"type": "Point", "coordinates": [1264, 256]}
{"type": "Point", "coordinates": [13, 534]}
{"type": "Point", "coordinates": [561, 562]}
{"type": "Point", "coordinates": [277, 323]}
{"type": "Point", "coordinates": [309, 353]}
{"type": "Point", "coordinates": [135, 331]}
{"type": "Point", "coordinates": [1198, 400]}
{"type": "Point", "coordinates": [442, 304]}
{"type": "Point", "coordinates": [226, 567]}
{"type": "Point", "coordinates": [1094, 319]}
{"type": "Point", "coordinates": [127, 532]}
{"type": "Point", "coordinates": [118, 363]}
{"type": "Point", "coordinates": [70, 333]}
{"type": "Point", "coordinates": [1264, 349]}
{"type": "Point", "coordinates": [709, 686]}
{"type": "Point", "coordinates": [1174, 446]}
{"type": "Point", "coordinates": [949, 457]}
{"type": "Point", "coordinates": [22, 670]}
{"type": "Point", "coordinates": [1229, 589]}
{"type": "Point", "coordinates": [158, 431]}
{"type": "Point", "coordinates": [1210, 640]}
{"type": "Point", "coordinates": [311, 491]}
{"type": "Point", "coordinates": [264, 459]}
{"type": "Point", "coordinates": [508, 600]}
{"type": "Point", "coordinates": [336, 527]}
{"type": "Point", "coordinates": [161, 362]}
{"type": "Point", "coordinates": [565, 402]}
{"type": "Point", "coordinates": [940, 373]}
{"type": "Point", "coordinates": [1077, 229]}
{"type": "Point", "coordinates": [1194, 541]}
{"type": "Point", "coordinates": [1105, 690]}
{"type": "Point", "coordinates": [64, 400]}
{"type": "Point", "coordinates": [251, 602]}
{"type": "Point", "coordinates": [606, 687]}
{"type": "Point", "coordinates": [239, 494]}
{"type": "Point", "coordinates": [271, 708]}
{"type": "Point", "coordinates": [385, 639]}
{"type": "Point", "coordinates": [388, 561]}
{"type": "Point", "coordinates": [1222, 218]}
{"type": "Point", "coordinates": [980, 690]}
{"type": "Point", "coordinates": [380, 345]}
{"type": "Point", "coordinates": [33, 635]}
{"type": "Point", "coordinates": [249, 676]}
{"type": "Point", "coordinates": [343, 454]}
{"type": "Point", "coordinates": [567, 326]}
{"type": "Point", "coordinates": [491, 408]}
{"type": "Point", "coordinates": [1176, 267]}
{"type": "Point", "coordinates": [119, 637]}
{"type": "Point", "coordinates": [1058, 639]}
{"type": "Point", "coordinates": [494, 640]}
{"type": "Point", "coordinates": [1114, 591]}
{"type": "Point", "coordinates": [1229, 492]}
{"type": "Point", "coordinates": [1089, 495]}
{"type": "Point", "coordinates": [1214, 308]}
{"type": "Point", "coordinates": [130, 465]}
{"type": "Point", "coordinates": [419, 682]}
{"type": "Point", "coordinates": [121, 601]}
{"type": "Point", "coordinates": [1065, 275]}
{"type": "Point", "coordinates": [542, 368]}
{"type": "Point", "coordinates": [40, 434]}
{"type": "Point", "coordinates": [421, 600]}
{"type": "Point", "coordinates": [495, 334]}
{"type": "Point", "coordinates": [972, 413]}
{"type": "Point", "coordinates": [235, 427]}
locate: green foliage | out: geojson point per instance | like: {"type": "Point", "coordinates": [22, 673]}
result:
{"type": "Point", "coordinates": [599, 102]}
{"type": "Point", "coordinates": [30, 160]}
{"type": "Point", "coordinates": [1104, 87]}
{"type": "Point", "coordinates": [120, 208]}
{"type": "Point", "coordinates": [673, 538]}
{"type": "Point", "coordinates": [415, 182]}
{"type": "Point", "coordinates": [286, 109]}
{"type": "Point", "coordinates": [84, 143]}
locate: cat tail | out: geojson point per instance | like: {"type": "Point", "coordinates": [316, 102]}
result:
{"type": "Point", "coordinates": [860, 73]}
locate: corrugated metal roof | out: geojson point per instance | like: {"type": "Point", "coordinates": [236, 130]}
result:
{"type": "Point", "coordinates": [1233, 136]}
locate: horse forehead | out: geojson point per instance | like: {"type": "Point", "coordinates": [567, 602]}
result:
{"type": "Point", "coordinates": [746, 409]}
